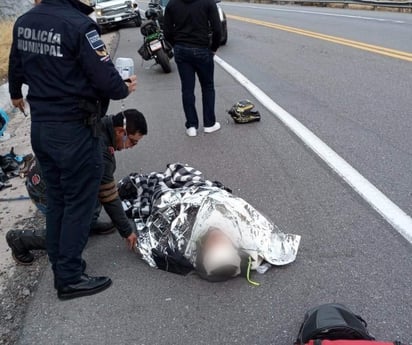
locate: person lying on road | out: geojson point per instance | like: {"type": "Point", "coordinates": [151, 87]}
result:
{"type": "Point", "coordinates": [185, 222]}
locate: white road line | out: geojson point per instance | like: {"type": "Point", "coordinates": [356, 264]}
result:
{"type": "Point", "coordinates": [375, 198]}
{"type": "Point", "coordinates": [317, 13]}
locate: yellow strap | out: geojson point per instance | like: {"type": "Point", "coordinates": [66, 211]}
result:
{"type": "Point", "coordinates": [249, 265]}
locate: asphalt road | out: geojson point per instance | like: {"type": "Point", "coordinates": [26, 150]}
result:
{"type": "Point", "coordinates": [354, 100]}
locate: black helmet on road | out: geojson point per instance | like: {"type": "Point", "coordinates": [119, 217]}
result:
{"type": "Point", "coordinates": [243, 112]}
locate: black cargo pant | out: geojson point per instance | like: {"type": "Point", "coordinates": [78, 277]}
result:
{"type": "Point", "coordinates": [71, 161]}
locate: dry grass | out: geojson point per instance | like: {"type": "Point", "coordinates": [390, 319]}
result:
{"type": "Point", "coordinates": [6, 28]}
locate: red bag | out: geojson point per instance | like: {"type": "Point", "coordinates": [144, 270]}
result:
{"type": "Point", "coordinates": [351, 342]}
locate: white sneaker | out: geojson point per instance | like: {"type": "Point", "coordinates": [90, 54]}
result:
{"type": "Point", "coordinates": [212, 129]}
{"type": "Point", "coordinates": [191, 132]}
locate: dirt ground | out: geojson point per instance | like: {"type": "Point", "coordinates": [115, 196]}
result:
{"type": "Point", "coordinates": [19, 283]}
{"type": "Point", "coordinates": [14, 205]}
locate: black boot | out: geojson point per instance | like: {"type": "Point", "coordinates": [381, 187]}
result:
{"type": "Point", "coordinates": [101, 228]}
{"type": "Point", "coordinates": [22, 241]}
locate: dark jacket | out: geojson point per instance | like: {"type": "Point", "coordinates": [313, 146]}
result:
{"type": "Point", "coordinates": [58, 52]}
{"type": "Point", "coordinates": [190, 22]}
{"type": "Point", "coordinates": [114, 208]}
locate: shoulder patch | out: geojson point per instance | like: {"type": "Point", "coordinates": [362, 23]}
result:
{"type": "Point", "coordinates": [94, 39]}
{"type": "Point", "coordinates": [35, 179]}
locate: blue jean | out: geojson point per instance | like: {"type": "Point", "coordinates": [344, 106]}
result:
{"type": "Point", "coordinates": [71, 162]}
{"type": "Point", "coordinates": [192, 61]}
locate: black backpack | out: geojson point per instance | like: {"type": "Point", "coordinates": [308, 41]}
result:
{"type": "Point", "coordinates": [332, 321]}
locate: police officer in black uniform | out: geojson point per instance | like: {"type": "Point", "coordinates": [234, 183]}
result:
{"type": "Point", "coordinates": [57, 51]}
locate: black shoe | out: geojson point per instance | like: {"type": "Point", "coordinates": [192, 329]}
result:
{"type": "Point", "coordinates": [102, 228]}
{"type": "Point", "coordinates": [84, 265]}
{"type": "Point", "coordinates": [86, 286]}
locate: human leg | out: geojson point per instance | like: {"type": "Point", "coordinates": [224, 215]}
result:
{"type": "Point", "coordinates": [55, 200]}
{"type": "Point", "coordinates": [183, 58]}
{"type": "Point", "coordinates": [71, 164]}
{"type": "Point", "coordinates": [205, 72]}
{"type": "Point", "coordinates": [81, 166]}
{"type": "Point", "coordinates": [81, 172]}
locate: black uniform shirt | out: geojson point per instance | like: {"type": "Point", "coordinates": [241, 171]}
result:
{"type": "Point", "coordinates": [57, 51]}
{"type": "Point", "coordinates": [190, 22]}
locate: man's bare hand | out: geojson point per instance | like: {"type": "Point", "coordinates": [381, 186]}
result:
{"type": "Point", "coordinates": [131, 240]}
{"type": "Point", "coordinates": [18, 103]}
{"type": "Point", "coordinates": [132, 84]}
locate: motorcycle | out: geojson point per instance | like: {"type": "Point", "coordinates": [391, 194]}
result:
{"type": "Point", "coordinates": [154, 44]}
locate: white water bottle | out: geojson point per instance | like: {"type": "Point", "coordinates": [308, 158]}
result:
{"type": "Point", "coordinates": [125, 67]}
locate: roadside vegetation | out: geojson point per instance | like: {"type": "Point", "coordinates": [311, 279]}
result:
{"type": "Point", "coordinates": [6, 28]}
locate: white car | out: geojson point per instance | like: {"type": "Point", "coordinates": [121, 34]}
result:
{"type": "Point", "coordinates": [115, 12]}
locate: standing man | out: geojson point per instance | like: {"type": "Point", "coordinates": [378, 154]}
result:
{"type": "Point", "coordinates": [187, 26]}
{"type": "Point", "coordinates": [57, 51]}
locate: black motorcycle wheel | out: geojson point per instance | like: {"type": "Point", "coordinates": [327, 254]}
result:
{"type": "Point", "coordinates": [163, 60]}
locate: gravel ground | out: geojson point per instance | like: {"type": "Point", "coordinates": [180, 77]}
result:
{"type": "Point", "coordinates": [21, 284]}
{"type": "Point", "coordinates": [18, 283]}
{"type": "Point", "coordinates": [12, 8]}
